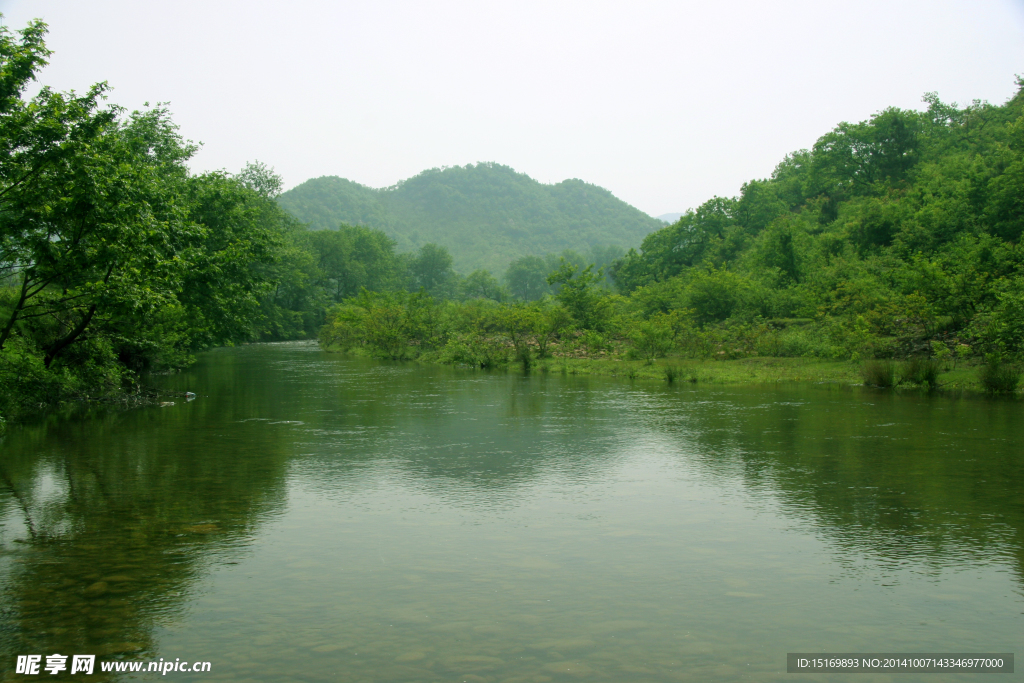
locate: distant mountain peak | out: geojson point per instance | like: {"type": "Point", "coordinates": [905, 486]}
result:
{"type": "Point", "coordinates": [486, 214]}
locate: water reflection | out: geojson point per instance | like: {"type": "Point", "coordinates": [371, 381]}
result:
{"type": "Point", "coordinates": [109, 523]}
{"type": "Point", "coordinates": [411, 523]}
{"type": "Point", "coordinates": [890, 477]}
{"type": "Point", "coordinates": [882, 475]}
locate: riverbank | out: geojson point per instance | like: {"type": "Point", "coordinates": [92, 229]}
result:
{"type": "Point", "coordinates": [757, 370]}
{"type": "Point", "coordinates": [67, 407]}
{"type": "Point", "coordinates": [959, 378]}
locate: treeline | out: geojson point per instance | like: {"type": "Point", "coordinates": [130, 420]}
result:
{"type": "Point", "coordinates": [896, 237]}
{"type": "Point", "coordinates": [889, 234]}
{"type": "Point", "coordinates": [486, 214]}
{"type": "Point", "coordinates": [116, 260]}
{"type": "Point", "coordinates": [325, 267]}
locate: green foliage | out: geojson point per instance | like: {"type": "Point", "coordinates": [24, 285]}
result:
{"type": "Point", "coordinates": [999, 326]}
{"type": "Point", "coordinates": [856, 158]}
{"type": "Point", "coordinates": [354, 258]}
{"type": "Point", "coordinates": [918, 370]}
{"type": "Point", "coordinates": [714, 295]}
{"type": "Point", "coordinates": [475, 350]}
{"type": "Point", "coordinates": [879, 373]}
{"type": "Point", "coordinates": [261, 179]}
{"type": "Point", "coordinates": [886, 236]}
{"type": "Point", "coordinates": [114, 258]}
{"type": "Point", "coordinates": [393, 325]}
{"type": "Point", "coordinates": [480, 284]}
{"type": "Point", "coordinates": [782, 248]}
{"type": "Point", "coordinates": [520, 323]}
{"type": "Point", "coordinates": [669, 251]}
{"type": "Point", "coordinates": [578, 291]}
{"type": "Point", "coordinates": [999, 377]}
{"type": "Point", "coordinates": [240, 237]}
{"type": "Point", "coordinates": [486, 214]}
{"type": "Point", "coordinates": [652, 339]}
{"type": "Point", "coordinates": [327, 202]}
{"type": "Point", "coordinates": [551, 323]}
{"type": "Point", "coordinates": [431, 270]}
{"type": "Point", "coordinates": [527, 278]}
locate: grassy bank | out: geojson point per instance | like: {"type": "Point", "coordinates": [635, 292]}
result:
{"type": "Point", "coordinates": [742, 371]}
{"type": "Point", "coordinates": [959, 378]}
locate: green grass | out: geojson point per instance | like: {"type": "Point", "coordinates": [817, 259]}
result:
{"type": "Point", "coordinates": [879, 373]}
{"type": "Point", "coordinates": [767, 370]}
{"type": "Point", "coordinates": [760, 370]}
{"type": "Point", "coordinates": [964, 378]}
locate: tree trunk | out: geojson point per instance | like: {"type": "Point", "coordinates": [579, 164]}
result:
{"type": "Point", "coordinates": [14, 314]}
{"type": "Point", "coordinates": [54, 350]}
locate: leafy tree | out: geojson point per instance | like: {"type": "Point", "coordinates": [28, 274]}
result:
{"type": "Point", "coordinates": [714, 295]}
{"type": "Point", "coordinates": [242, 233]}
{"type": "Point", "coordinates": [579, 293]}
{"type": "Point", "coordinates": [1004, 209]}
{"type": "Point", "coordinates": [92, 223]}
{"type": "Point", "coordinates": [295, 308]}
{"type": "Point", "coordinates": [759, 205]}
{"type": "Point", "coordinates": [526, 277]}
{"type": "Point", "coordinates": [388, 323]}
{"type": "Point", "coordinates": [551, 322]}
{"type": "Point", "coordinates": [261, 179]}
{"type": "Point", "coordinates": [112, 255]}
{"type": "Point", "coordinates": [682, 245]}
{"type": "Point", "coordinates": [480, 284]}
{"type": "Point", "coordinates": [520, 324]}
{"type": "Point", "coordinates": [778, 248]}
{"type": "Point", "coordinates": [652, 338]}
{"type": "Point", "coordinates": [853, 158]}
{"type": "Point", "coordinates": [352, 258]}
{"type": "Point", "coordinates": [431, 269]}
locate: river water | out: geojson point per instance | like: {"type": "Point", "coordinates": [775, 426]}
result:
{"type": "Point", "coordinates": [310, 517]}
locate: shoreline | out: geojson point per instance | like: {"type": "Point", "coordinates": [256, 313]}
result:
{"type": "Point", "coordinates": [753, 371]}
{"type": "Point", "coordinates": [70, 407]}
{"type": "Point", "coordinates": [757, 370]}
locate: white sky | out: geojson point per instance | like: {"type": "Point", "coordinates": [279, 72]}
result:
{"type": "Point", "coordinates": [663, 103]}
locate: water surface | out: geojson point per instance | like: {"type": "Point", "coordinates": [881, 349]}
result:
{"type": "Point", "coordinates": [315, 518]}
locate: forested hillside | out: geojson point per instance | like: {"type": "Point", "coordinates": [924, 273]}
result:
{"type": "Point", "coordinates": [486, 215]}
{"type": "Point", "coordinates": [893, 231]}
{"type": "Point", "coordinates": [898, 237]}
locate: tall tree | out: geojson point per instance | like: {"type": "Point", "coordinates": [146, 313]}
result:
{"type": "Point", "coordinates": [527, 278]}
{"type": "Point", "coordinates": [91, 224]}
{"type": "Point", "coordinates": [432, 270]}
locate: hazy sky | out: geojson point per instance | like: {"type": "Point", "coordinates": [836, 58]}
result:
{"type": "Point", "coordinates": [663, 103]}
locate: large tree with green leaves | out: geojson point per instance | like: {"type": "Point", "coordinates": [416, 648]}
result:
{"type": "Point", "coordinates": [93, 214]}
{"type": "Point", "coordinates": [111, 253]}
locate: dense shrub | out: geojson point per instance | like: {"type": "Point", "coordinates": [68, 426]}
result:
{"type": "Point", "coordinates": [998, 377]}
{"type": "Point", "coordinates": [920, 371]}
{"type": "Point", "coordinates": [879, 373]}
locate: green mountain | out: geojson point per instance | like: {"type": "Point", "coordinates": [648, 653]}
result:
{"type": "Point", "coordinates": [486, 214]}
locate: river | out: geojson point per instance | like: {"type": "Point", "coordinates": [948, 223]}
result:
{"type": "Point", "coordinates": [311, 517]}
